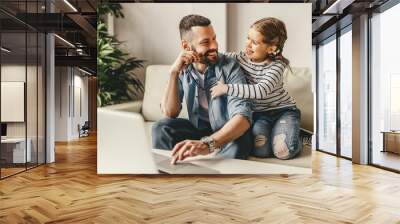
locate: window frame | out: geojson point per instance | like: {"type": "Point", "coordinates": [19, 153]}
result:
{"type": "Point", "coordinates": [334, 37]}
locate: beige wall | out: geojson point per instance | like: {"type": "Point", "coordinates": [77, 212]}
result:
{"type": "Point", "coordinates": [81, 103]}
{"type": "Point", "coordinates": [150, 31]}
{"type": "Point", "coordinates": [61, 103]}
{"type": "Point", "coordinates": [297, 18]}
{"type": "Point", "coordinates": [71, 87]}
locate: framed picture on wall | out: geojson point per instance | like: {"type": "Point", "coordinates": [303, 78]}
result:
{"type": "Point", "coordinates": [12, 101]}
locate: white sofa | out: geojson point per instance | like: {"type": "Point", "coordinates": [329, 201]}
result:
{"type": "Point", "coordinates": [299, 86]}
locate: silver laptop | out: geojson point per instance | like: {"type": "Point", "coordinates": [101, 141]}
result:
{"type": "Point", "coordinates": [164, 166]}
{"type": "Point", "coordinates": [123, 147]}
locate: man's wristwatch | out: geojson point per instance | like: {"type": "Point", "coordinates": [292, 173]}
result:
{"type": "Point", "coordinates": [210, 142]}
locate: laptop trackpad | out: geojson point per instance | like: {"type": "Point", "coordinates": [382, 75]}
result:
{"type": "Point", "coordinates": [164, 165]}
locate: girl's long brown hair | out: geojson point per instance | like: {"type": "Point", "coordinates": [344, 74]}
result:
{"type": "Point", "coordinates": [274, 33]}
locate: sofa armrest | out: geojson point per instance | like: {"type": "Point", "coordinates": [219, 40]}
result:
{"type": "Point", "coordinates": [135, 106]}
{"type": "Point", "coordinates": [120, 136]}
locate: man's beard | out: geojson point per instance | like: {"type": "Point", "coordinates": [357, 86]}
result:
{"type": "Point", "coordinates": [204, 57]}
{"type": "Point", "coordinates": [208, 61]}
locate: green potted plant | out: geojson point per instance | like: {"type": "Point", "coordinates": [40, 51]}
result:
{"type": "Point", "coordinates": [117, 82]}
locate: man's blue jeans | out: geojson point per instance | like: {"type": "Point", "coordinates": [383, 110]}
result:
{"type": "Point", "coordinates": [276, 133]}
{"type": "Point", "coordinates": [169, 131]}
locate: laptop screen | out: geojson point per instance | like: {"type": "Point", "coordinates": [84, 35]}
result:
{"type": "Point", "coordinates": [3, 129]}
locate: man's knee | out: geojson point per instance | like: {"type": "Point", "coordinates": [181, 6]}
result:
{"type": "Point", "coordinates": [164, 122]}
{"type": "Point", "coordinates": [160, 131]}
{"type": "Point", "coordinates": [159, 126]}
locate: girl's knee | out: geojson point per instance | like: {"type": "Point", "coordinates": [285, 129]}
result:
{"type": "Point", "coordinates": [283, 150]}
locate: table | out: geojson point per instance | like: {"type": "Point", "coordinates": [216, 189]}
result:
{"type": "Point", "coordinates": [391, 141]}
{"type": "Point", "coordinates": [17, 149]}
{"type": "Point", "coordinates": [238, 166]}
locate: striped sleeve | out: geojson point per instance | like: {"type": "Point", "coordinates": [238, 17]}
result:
{"type": "Point", "coordinates": [267, 83]}
{"type": "Point", "coordinates": [233, 55]}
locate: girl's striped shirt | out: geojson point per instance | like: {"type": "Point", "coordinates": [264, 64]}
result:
{"type": "Point", "coordinates": [265, 84]}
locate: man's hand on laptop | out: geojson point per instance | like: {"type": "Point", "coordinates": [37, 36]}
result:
{"type": "Point", "coordinates": [188, 148]}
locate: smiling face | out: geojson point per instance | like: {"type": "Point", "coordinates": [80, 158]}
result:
{"type": "Point", "coordinates": [203, 41]}
{"type": "Point", "coordinates": [256, 49]}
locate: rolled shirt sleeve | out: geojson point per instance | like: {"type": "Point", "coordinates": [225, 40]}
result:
{"type": "Point", "coordinates": [235, 75]}
{"type": "Point", "coordinates": [180, 93]}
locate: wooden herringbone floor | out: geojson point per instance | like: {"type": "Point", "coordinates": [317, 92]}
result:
{"type": "Point", "coordinates": [69, 191]}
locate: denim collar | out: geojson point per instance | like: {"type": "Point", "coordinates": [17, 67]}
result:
{"type": "Point", "coordinates": [194, 74]}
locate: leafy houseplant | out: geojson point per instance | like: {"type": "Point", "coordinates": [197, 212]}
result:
{"type": "Point", "coordinates": [117, 81]}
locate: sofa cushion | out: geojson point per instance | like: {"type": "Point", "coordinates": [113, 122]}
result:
{"type": "Point", "coordinates": [155, 84]}
{"type": "Point", "coordinates": [298, 84]}
{"type": "Point", "coordinates": [147, 126]}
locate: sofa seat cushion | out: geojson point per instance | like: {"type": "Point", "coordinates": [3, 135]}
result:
{"type": "Point", "coordinates": [298, 83]}
{"type": "Point", "coordinates": [147, 126]}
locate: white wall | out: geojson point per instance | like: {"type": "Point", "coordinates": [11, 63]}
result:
{"type": "Point", "coordinates": [80, 102]}
{"type": "Point", "coordinates": [151, 31]}
{"type": "Point", "coordinates": [82, 82]}
{"type": "Point", "coordinates": [34, 126]}
{"type": "Point", "coordinates": [17, 73]}
{"type": "Point", "coordinates": [297, 18]}
{"type": "Point", "coordinates": [67, 115]}
{"type": "Point", "coordinates": [12, 101]}
{"type": "Point", "coordinates": [61, 103]}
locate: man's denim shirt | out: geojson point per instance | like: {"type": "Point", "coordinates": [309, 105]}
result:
{"type": "Point", "coordinates": [220, 109]}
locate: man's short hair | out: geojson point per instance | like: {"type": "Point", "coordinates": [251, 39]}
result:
{"type": "Point", "coordinates": [189, 21]}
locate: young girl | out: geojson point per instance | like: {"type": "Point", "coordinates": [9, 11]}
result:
{"type": "Point", "coordinates": [276, 118]}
